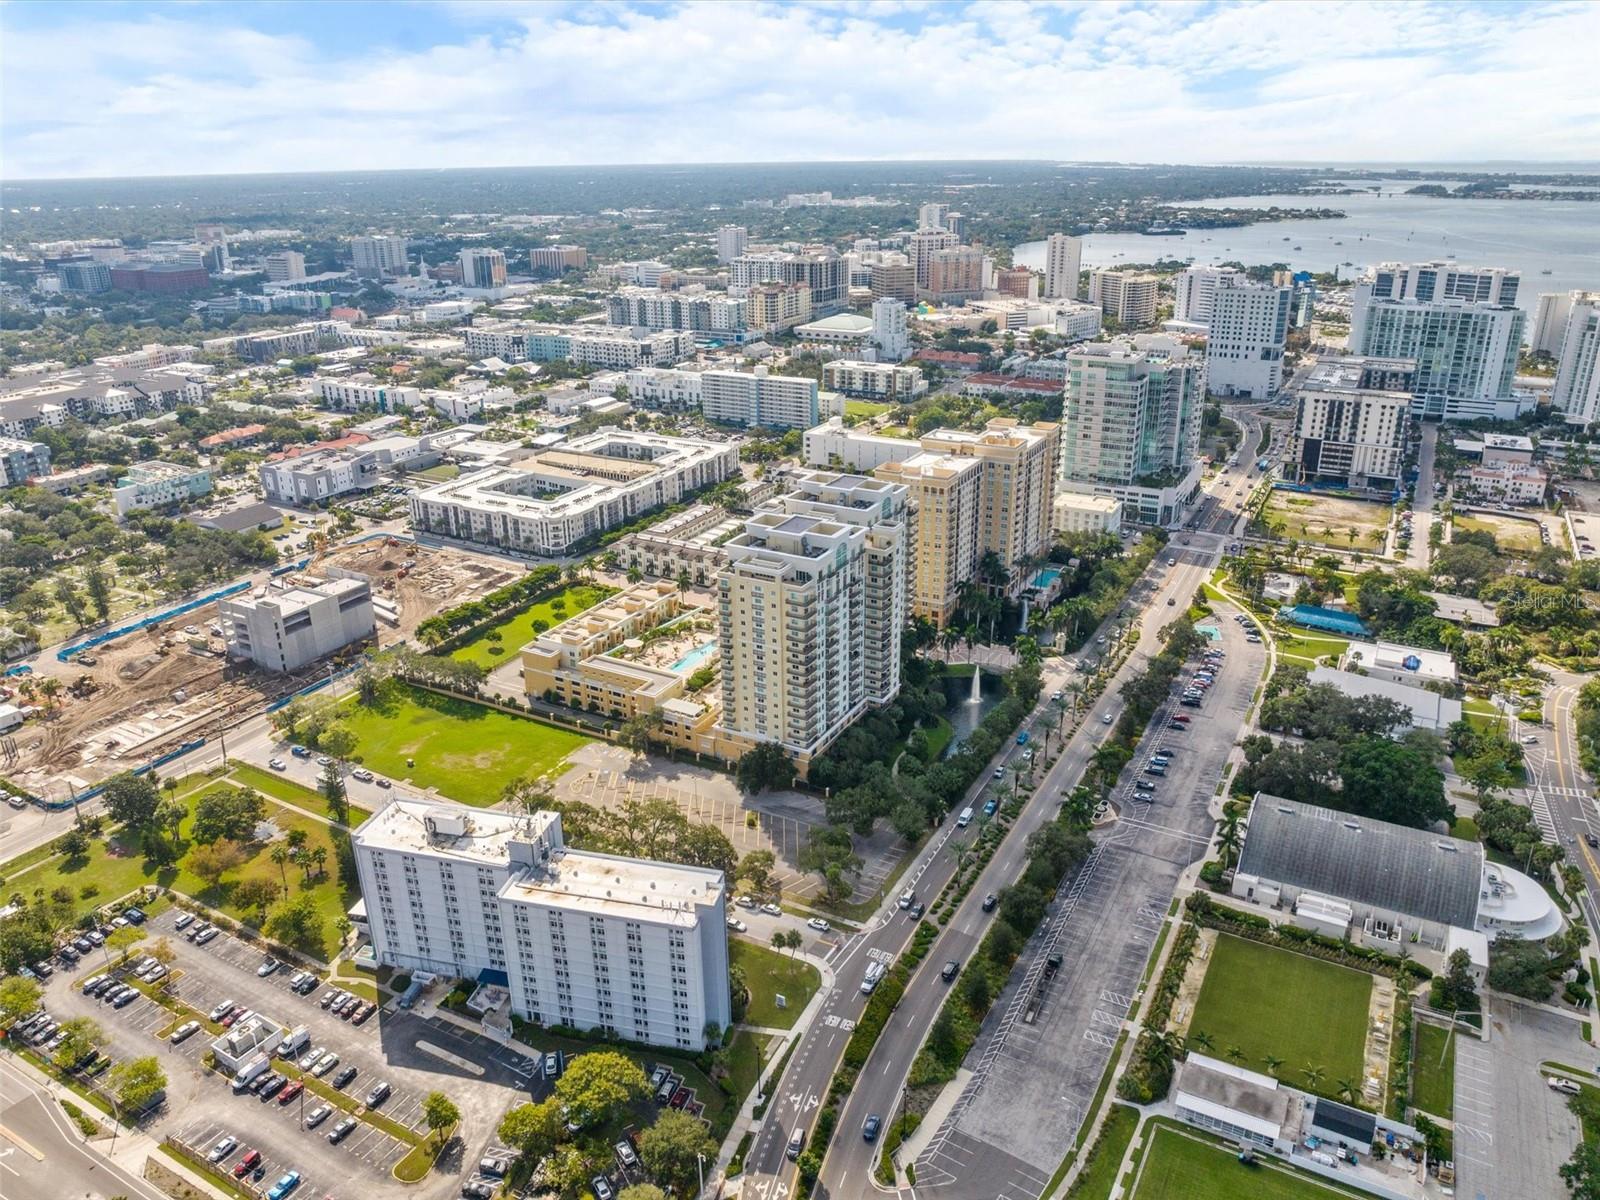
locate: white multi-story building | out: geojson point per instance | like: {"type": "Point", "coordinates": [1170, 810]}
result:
{"type": "Point", "coordinates": [669, 388]}
{"type": "Point", "coordinates": [285, 266]}
{"type": "Point", "coordinates": [636, 948]}
{"type": "Point", "coordinates": [1244, 347]}
{"type": "Point", "coordinates": [794, 605]}
{"type": "Point", "coordinates": [351, 393]}
{"type": "Point", "coordinates": [610, 347]}
{"type": "Point", "coordinates": [482, 267]}
{"type": "Point", "coordinates": [931, 215]}
{"type": "Point", "coordinates": [1466, 353]}
{"type": "Point", "coordinates": [1350, 422]}
{"type": "Point", "coordinates": [1504, 483]}
{"type": "Point", "coordinates": [822, 270]}
{"type": "Point", "coordinates": [830, 444]}
{"type": "Point", "coordinates": [1196, 292]}
{"type": "Point", "coordinates": [1577, 387]}
{"type": "Point", "coordinates": [157, 484]}
{"type": "Point", "coordinates": [1074, 512]}
{"type": "Point", "coordinates": [380, 254]}
{"type": "Point", "coordinates": [297, 623]}
{"type": "Point", "coordinates": [1130, 426]}
{"type": "Point", "coordinates": [693, 309]}
{"type": "Point", "coordinates": [21, 461]}
{"type": "Point", "coordinates": [874, 381]}
{"type": "Point", "coordinates": [561, 497]}
{"type": "Point", "coordinates": [1550, 321]}
{"type": "Point", "coordinates": [731, 242]}
{"type": "Point", "coordinates": [1426, 283]}
{"type": "Point", "coordinates": [1063, 266]}
{"type": "Point", "coordinates": [1129, 296]}
{"type": "Point", "coordinates": [319, 476]}
{"type": "Point", "coordinates": [760, 398]}
{"type": "Point", "coordinates": [889, 333]}
{"type": "Point", "coordinates": [921, 246]}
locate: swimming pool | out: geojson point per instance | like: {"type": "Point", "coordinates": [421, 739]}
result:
{"type": "Point", "coordinates": [1046, 578]}
{"type": "Point", "coordinates": [692, 661]}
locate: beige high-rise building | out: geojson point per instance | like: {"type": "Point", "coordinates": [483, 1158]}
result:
{"type": "Point", "coordinates": [811, 605]}
{"type": "Point", "coordinates": [977, 493]}
{"type": "Point", "coordinates": [894, 281]}
{"type": "Point", "coordinates": [1128, 296]}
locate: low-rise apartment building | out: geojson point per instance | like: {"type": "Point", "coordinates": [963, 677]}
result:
{"type": "Point", "coordinates": [320, 476]}
{"type": "Point", "coordinates": [156, 484]}
{"type": "Point", "coordinates": [21, 461]}
{"type": "Point", "coordinates": [888, 382]}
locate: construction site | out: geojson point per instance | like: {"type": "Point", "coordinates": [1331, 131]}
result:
{"type": "Point", "coordinates": [167, 682]}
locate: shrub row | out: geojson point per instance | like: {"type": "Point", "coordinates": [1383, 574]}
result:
{"type": "Point", "coordinates": [1150, 1074]}
{"type": "Point", "coordinates": [464, 619]}
{"type": "Point", "coordinates": [1293, 937]}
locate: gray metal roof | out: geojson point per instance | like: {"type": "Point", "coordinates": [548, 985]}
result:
{"type": "Point", "coordinates": [1430, 876]}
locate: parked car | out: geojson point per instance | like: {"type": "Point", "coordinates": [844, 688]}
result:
{"type": "Point", "coordinates": [221, 1010]}
{"type": "Point", "coordinates": [772, 910]}
{"type": "Point", "coordinates": [222, 1149]}
{"type": "Point", "coordinates": [819, 924]}
{"type": "Point", "coordinates": [187, 1030]}
{"type": "Point", "coordinates": [294, 1088]}
{"type": "Point", "coordinates": [277, 764]}
{"type": "Point", "coordinates": [268, 966]}
{"type": "Point", "coordinates": [378, 1095]}
{"type": "Point", "coordinates": [275, 1084]}
{"type": "Point", "coordinates": [287, 1182]}
{"type": "Point", "coordinates": [206, 934]}
{"type": "Point", "coordinates": [366, 1010]}
{"type": "Point", "coordinates": [342, 1130]}
{"type": "Point", "coordinates": [251, 1159]}
{"type": "Point", "coordinates": [318, 1115]}
{"type": "Point", "coordinates": [602, 1189]}
{"type": "Point", "coordinates": [625, 1153]}
{"type": "Point", "coordinates": [738, 926]}
{"type": "Point", "coordinates": [551, 1066]}
{"type": "Point", "coordinates": [343, 1078]}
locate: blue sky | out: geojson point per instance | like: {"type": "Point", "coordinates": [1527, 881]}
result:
{"type": "Point", "coordinates": [192, 88]}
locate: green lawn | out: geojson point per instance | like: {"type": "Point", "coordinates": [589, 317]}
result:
{"type": "Point", "coordinates": [748, 1053]}
{"type": "Point", "coordinates": [864, 408]}
{"type": "Point", "coordinates": [1176, 1166]}
{"type": "Point", "coordinates": [1099, 1176]}
{"type": "Point", "coordinates": [466, 750]}
{"type": "Point", "coordinates": [1433, 1074]}
{"type": "Point", "coordinates": [1481, 713]}
{"type": "Point", "coordinates": [117, 866]}
{"type": "Point", "coordinates": [441, 473]}
{"type": "Point", "coordinates": [1305, 648]}
{"type": "Point", "coordinates": [269, 783]}
{"type": "Point", "coordinates": [1310, 1012]}
{"type": "Point", "coordinates": [498, 642]}
{"type": "Point", "coordinates": [769, 973]}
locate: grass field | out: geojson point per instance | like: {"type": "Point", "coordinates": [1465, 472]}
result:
{"type": "Point", "coordinates": [269, 783]}
{"type": "Point", "coordinates": [117, 865]}
{"type": "Point", "coordinates": [864, 408]}
{"type": "Point", "coordinates": [1512, 534]}
{"type": "Point", "coordinates": [1099, 1176]}
{"type": "Point", "coordinates": [1328, 520]}
{"type": "Point", "coordinates": [468, 751]}
{"type": "Point", "coordinates": [1433, 1074]}
{"type": "Point", "coordinates": [769, 973]}
{"type": "Point", "coordinates": [1312, 1013]}
{"type": "Point", "coordinates": [1305, 648]}
{"type": "Point", "coordinates": [440, 473]}
{"type": "Point", "coordinates": [505, 637]}
{"type": "Point", "coordinates": [1175, 1166]}
{"type": "Point", "coordinates": [1481, 713]}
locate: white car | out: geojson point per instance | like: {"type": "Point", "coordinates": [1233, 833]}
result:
{"type": "Point", "coordinates": [772, 910]}
{"type": "Point", "coordinates": [277, 764]}
{"type": "Point", "coordinates": [1105, 719]}
{"type": "Point", "coordinates": [361, 773]}
{"type": "Point", "coordinates": [223, 1148]}
{"type": "Point", "coordinates": [183, 1031]}
{"type": "Point", "coordinates": [326, 1063]}
{"type": "Point", "coordinates": [1530, 739]}
{"type": "Point", "coordinates": [819, 924]}
{"type": "Point", "coordinates": [737, 925]}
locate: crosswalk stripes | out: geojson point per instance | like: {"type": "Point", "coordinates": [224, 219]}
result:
{"type": "Point", "coordinates": [1542, 817]}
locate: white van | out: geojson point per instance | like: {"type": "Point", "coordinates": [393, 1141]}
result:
{"type": "Point", "coordinates": [251, 1071]}
{"type": "Point", "coordinates": [294, 1043]}
{"type": "Point", "coordinates": [965, 818]}
{"type": "Point", "coordinates": [875, 972]}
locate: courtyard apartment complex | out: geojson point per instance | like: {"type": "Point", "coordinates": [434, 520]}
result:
{"type": "Point", "coordinates": [636, 948]}
{"type": "Point", "coordinates": [554, 500]}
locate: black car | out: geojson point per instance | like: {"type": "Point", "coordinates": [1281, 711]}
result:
{"type": "Point", "coordinates": [342, 1130]}
{"type": "Point", "coordinates": [343, 1078]}
{"type": "Point", "coordinates": [870, 1127]}
{"type": "Point", "coordinates": [275, 1084]}
{"type": "Point", "coordinates": [1591, 840]}
{"type": "Point", "coordinates": [990, 901]}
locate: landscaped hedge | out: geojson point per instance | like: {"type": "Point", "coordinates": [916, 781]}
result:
{"type": "Point", "coordinates": [1150, 1074]}
{"type": "Point", "coordinates": [465, 618]}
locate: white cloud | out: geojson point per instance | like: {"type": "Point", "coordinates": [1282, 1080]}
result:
{"type": "Point", "coordinates": [179, 92]}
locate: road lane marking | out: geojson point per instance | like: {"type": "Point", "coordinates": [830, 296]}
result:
{"type": "Point", "coordinates": [21, 1143]}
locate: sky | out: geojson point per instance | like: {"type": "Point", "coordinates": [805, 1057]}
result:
{"type": "Point", "coordinates": [118, 89]}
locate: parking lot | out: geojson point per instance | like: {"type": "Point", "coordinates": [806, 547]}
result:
{"type": "Point", "coordinates": [1046, 1043]}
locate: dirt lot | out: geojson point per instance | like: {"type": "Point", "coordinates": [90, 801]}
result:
{"type": "Point", "coordinates": [1328, 520]}
{"type": "Point", "coordinates": [1516, 535]}
{"type": "Point", "coordinates": [152, 690]}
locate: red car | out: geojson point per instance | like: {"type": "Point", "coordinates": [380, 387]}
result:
{"type": "Point", "coordinates": [238, 1011]}
{"type": "Point", "coordinates": [680, 1097]}
{"type": "Point", "coordinates": [289, 1093]}
{"type": "Point", "coordinates": [246, 1164]}
{"type": "Point", "coordinates": [366, 1011]}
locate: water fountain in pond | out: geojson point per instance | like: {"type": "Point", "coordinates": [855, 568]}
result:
{"type": "Point", "coordinates": [977, 685]}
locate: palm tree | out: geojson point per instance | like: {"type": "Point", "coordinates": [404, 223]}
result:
{"type": "Point", "coordinates": [1313, 1075]}
{"type": "Point", "coordinates": [280, 855]}
{"type": "Point", "coordinates": [319, 859]}
{"type": "Point", "coordinates": [1235, 1054]}
{"type": "Point", "coordinates": [1228, 837]}
{"type": "Point", "coordinates": [1203, 1040]}
{"type": "Point", "coordinates": [1273, 1062]}
{"type": "Point", "coordinates": [1347, 1090]}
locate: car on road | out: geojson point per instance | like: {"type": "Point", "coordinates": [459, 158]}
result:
{"type": "Point", "coordinates": [287, 1182]}
{"type": "Point", "coordinates": [916, 910]}
{"type": "Point", "coordinates": [737, 925]}
{"type": "Point", "coordinates": [1530, 739]}
{"type": "Point", "coordinates": [343, 1078]}
{"type": "Point", "coordinates": [383, 783]}
{"type": "Point", "coordinates": [299, 752]}
{"type": "Point", "coordinates": [222, 1149]}
{"type": "Point", "coordinates": [250, 1161]}
{"type": "Point", "coordinates": [1591, 841]}
{"type": "Point", "coordinates": [378, 1095]}
{"type": "Point", "coordinates": [1171, 602]}
{"type": "Point", "coordinates": [948, 972]}
{"type": "Point", "coordinates": [186, 1030]}
{"type": "Point", "coordinates": [324, 761]}
{"type": "Point", "coordinates": [999, 772]}
{"type": "Point", "coordinates": [870, 1127]}
{"type": "Point", "coordinates": [1105, 718]}
{"type": "Point", "coordinates": [771, 909]}
{"type": "Point", "coordinates": [318, 1115]}
{"type": "Point", "coordinates": [362, 774]}
{"type": "Point", "coordinates": [819, 924]}
{"type": "Point", "coordinates": [342, 1130]}
{"type": "Point", "coordinates": [990, 901]}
